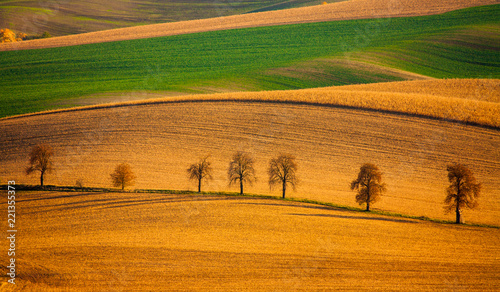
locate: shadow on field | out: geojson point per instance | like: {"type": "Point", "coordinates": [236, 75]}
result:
{"type": "Point", "coordinates": [46, 196]}
{"type": "Point", "coordinates": [361, 217]}
{"type": "Point", "coordinates": [129, 203]}
{"type": "Point", "coordinates": [354, 217]}
{"type": "Point", "coordinates": [91, 200]}
{"type": "Point", "coordinates": [317, 207]}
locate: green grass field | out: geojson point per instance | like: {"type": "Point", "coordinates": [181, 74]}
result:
{"type": "Point", "coordinates": [460, 44]}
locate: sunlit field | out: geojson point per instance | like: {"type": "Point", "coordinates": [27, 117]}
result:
{"type": "Point", "coordinates": [160, 141]}
{"type": "Point", "coordinates": [408, 87]}
{"type": "Point", "coordinates": [127, 241]}
{"type": "Point", "coordinates": [209, 16]}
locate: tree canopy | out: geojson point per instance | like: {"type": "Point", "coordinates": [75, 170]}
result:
{"type": "Point", "coordinates": [369, 185]}
{"type": "Point", "coordinates": [40, 159]}
{"type": "Point", "coordinates": [463, 191]}
{"type": "Point", "coordinates": [283, 170]}
{"type": "Point", "coordinates": [123, 176]}
{"type": "Point", "coordinates": [202, 170]}
{"type": "Point", "coordinates": [241, 170]}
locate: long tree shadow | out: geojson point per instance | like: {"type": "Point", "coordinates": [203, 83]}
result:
{"type": "Point", "coordinates": [117, 202]}
{"type": "Point", "coordinates": [363, 216]}
{"type": "Point", "coordinates": [42, 196]}
{"type": "Point", "coordinates": [296, 205]}
{"type": "Point", "coordinates": [355, 217]}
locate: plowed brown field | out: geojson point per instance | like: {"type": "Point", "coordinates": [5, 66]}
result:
{"type": "Point", "coordinates": [161, 140]}
{"type": "Point", "coordinates": [353, 9]}
{"type": "Point", "coordinates": [156, 242]}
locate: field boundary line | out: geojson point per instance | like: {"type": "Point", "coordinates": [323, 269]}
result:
{"type": "Point", "coordinates": [228, 98]}
{"type": "Point", "coordinates": [319, 13]}
{"type": "Point", "coordinates": [333, 206]}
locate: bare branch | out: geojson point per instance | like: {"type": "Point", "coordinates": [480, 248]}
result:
{"type": "Point", "coordinates": [40, 160]}
{"type": "Point", "coordinates": [123, 176]}
{"type": "Point", "coordinates": [241, 170]}
{"type": "Point", "coordinates": [369, 185]}
{"type": "Point", "coordinates": [463, 191]}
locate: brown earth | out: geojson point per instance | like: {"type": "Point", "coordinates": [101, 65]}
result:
{"type": "Point", "coordinates": [156, 242]}
{"type": "Point", "coordinates": [353, 9]}
{"type": "Point", "coordinates": [160, 140]}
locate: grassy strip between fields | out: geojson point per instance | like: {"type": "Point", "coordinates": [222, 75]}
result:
{"type": "Point", "coordinates": [233, 194]}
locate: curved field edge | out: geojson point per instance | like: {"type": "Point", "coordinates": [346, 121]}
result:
{"type": "Point", "coordinates": [76, 17]}
{"type": "Point", "coordinates": [243, 60]}
{"type": "Point", "coordinates": [360, 9]}
{"type": "Point", "coordinates": [468, 111]}
{"type": "Point", "coordinates": [160, 140]}
{"type": "Point", "coordinates": [476, 89]}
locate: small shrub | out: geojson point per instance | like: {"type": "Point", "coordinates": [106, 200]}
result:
{"type": "Point", "coordinates": [7, 36]}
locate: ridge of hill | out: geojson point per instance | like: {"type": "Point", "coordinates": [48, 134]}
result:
{"type": "Point", "coordinates": [458, 44]}
{"type": "Point", "coordinates": [475, 89]}
{"type": "Point", "coordinates": [77, 16]}
{"type": "Point", "coordinates": [352, 9]}
{"type": "Point", "coordinates": [159, 139]}
{"type": "Point", "coordinates": [466, 101]}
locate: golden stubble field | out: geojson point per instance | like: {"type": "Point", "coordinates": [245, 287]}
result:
{"type": "Point", "coordinates": [144, 242]}
{"type": "Point", "coordinates": [346, 10]}
{"type": "Point", "coordinates": [160, 139]}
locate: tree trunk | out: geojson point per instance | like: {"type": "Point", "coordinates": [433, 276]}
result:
{"type": "Point", "coordinates": [199, 185]}
{"type": "Point", "coordinates": [457, 202]}
{"type": "Point", "coordinates": [41, 179]}
{"type": "Point", "coordinates": [368, 197]}
{"type": "Point", "coordinates": [241, 187]}
{"type": "Point", "coordinates": [458, 219]}
{"type": "Point", "coordinates": [284, 188]}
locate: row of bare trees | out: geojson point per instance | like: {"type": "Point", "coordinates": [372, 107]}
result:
{"type": "Point", "coordinates": [463, 191]}
{"type": "Point", "coordinates": [282, 171]}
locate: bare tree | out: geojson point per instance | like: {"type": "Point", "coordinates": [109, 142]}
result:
{"type": "Point", "coordinates": [41, 160]}
{"type": "Point", "coordinates": [123, 176]}
{"type": "Point", "coordinates": [282, 170]}
{"type": "Point", "coordinates": [463, 191]}
{"type": "Point", "coordinates": [202, 170]}
{"type": "Point", "coordinates": [369, 185]}
{"type": "Point", "coordinates": [241, 170]}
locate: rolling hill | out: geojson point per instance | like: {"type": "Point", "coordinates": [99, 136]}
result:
{"type": "Point", "coordinates": [309, 81]}
{"type": "Point", "coordinates": [128, 241]}
{"type": "Point", "coordinates": [160, 138]}
{"type": "Point", "coordinates": [459, 44]}
{"type": "Point", "coordinates": [75, 17]}
{"type": "Point", "coordinates": [344, 10]}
